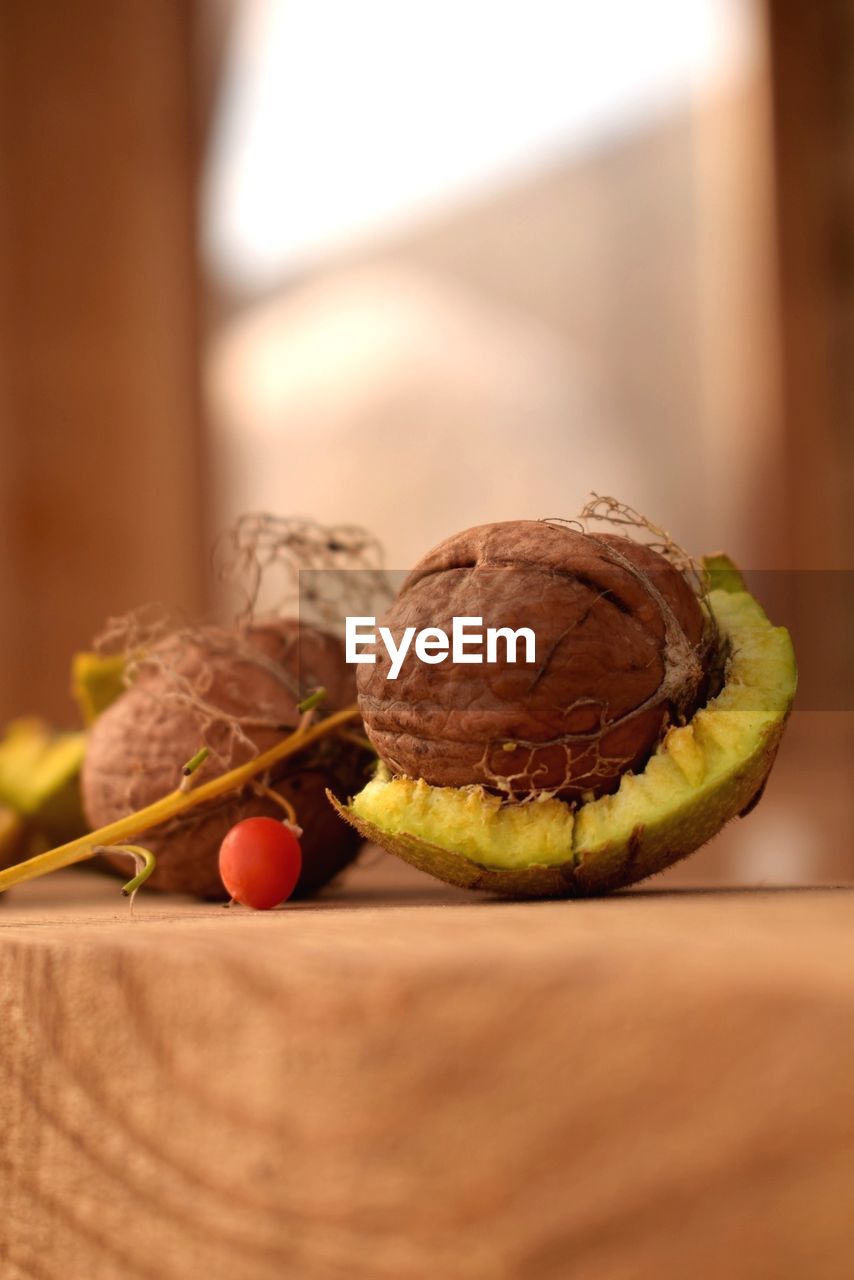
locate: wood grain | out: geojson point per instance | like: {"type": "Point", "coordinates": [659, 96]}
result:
{"type": "Point", "coordinates": [401, 1081]}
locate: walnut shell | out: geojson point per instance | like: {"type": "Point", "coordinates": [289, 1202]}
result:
{"type": "Point", "coordinates": [182, 699]}
{"type": "Point", "coordinates": [622, 650]}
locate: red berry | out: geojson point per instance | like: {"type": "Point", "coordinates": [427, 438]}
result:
{"type": "Point", "coordinates": [259, 862]}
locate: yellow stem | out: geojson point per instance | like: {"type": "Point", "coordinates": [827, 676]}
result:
{"type": "Point", "coordinates": [283, 803]}
{"type": "Point", "coordinates": [169, 806]}
{"type": "Point", "coordinates": [357, 739]}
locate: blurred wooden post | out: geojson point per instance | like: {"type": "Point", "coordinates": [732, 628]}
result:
{"type": "Point", "coordinates": [812, 61]}
{"type": "Point", "coordinates": [101, 489]}
{"type": "Point", "coordinates": [738, 373]}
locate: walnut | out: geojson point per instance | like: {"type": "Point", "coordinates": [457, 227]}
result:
{"type": "Point", "coordinates": [623, 649]}
{"type": "Point", "coordinates": [234, 690]}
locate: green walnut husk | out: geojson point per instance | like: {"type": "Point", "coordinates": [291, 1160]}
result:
{"type": "Point", "coordinates": [40, 803]}
{"type": "Point", "coordinates": [39, 772]}
{"type": "Point", "coordinates": [97, 680]}
{"type": "Point", "coordinates": [701, 775]}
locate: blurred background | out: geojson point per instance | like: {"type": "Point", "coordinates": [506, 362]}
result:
{"type": "Point", "coordinates": [419, 266]}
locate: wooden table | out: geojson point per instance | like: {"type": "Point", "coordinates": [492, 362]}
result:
{"type": "Point", "coordinates": [401, 1081]}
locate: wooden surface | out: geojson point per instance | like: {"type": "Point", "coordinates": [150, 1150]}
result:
{"type": "Point", "coordinates": [402, 1081]}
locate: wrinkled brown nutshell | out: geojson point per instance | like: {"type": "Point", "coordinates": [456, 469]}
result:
{"type": "Point", "coordinates": [234, 690]}
{"type": "Point", "coordinates": [623, 648]}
